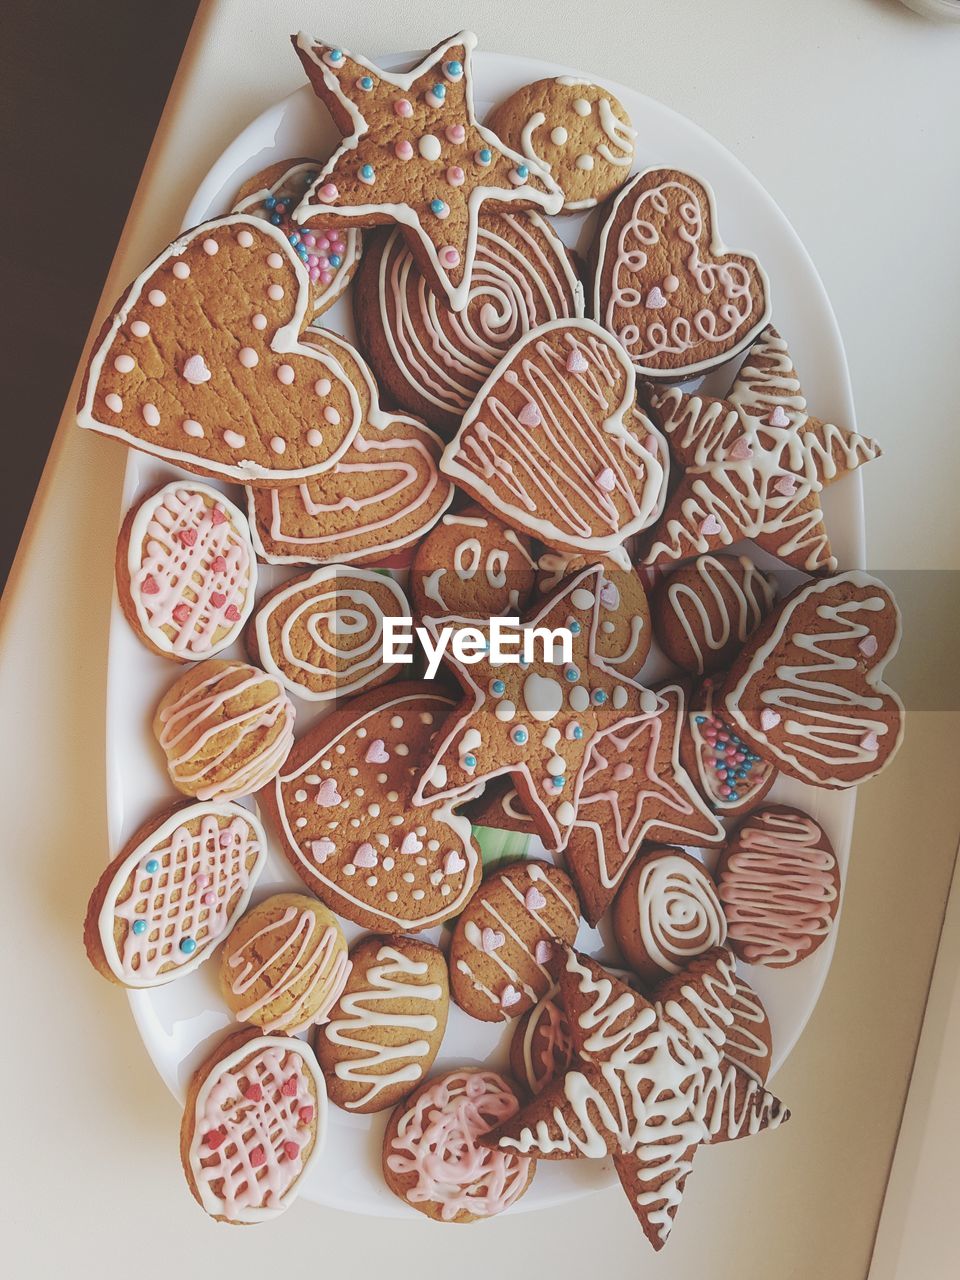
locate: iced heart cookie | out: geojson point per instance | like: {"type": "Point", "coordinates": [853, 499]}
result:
{"type": "Point", "coordinates": [807, 691]}
{"type": "Point", "coordinates": [666, 285]}
{"type": "Point", "coordinates": [384, 493]}
{"type": "Point", "coordinates": [432, 360]}
{"type": "Point", "coordinates": [186, 571]}
{"type": "Point", "coordinates": [330, 254]}
{"type": "Point", "coordinates": [506, 938]}
{"type": "Point", "coordinates": [173, 893]}
{"type": "Point", "coordinates": [285, 965]}
{"type": "Point", "coordinates": [254, 1121]}
{"type": "Point", "coordinates": [726, 770]}
{"type": "Point", "coordinates": [667, 913]}
{"type": "Point", "coordinates": [704, 611]}
{"type": "Point", "coordinates": [225, 728]}
{"type": "Point", "coordinates": [472, 565]}
{"type": "Point", "coordinates": [431, 1155]}
{"type": "Point", "coordinates": [779, 883]}
{"type": "Point", "coordinates": [754, 465]}
{"type": "Point", "coordinates": [343, 808]}
{"type": "Point", "coordinates": [201, 362]}
{"type": "Point", "coordinates": [413, 154]}
{"type": "Point", "coordinates": [321, 634]}
{"type": "Point", "coordinates": [541, 1047]}
{"type": "Point", "coordinates": [575, 130]}
{"type": "Point", "coordinates": [623, 619]}
{"type": "Point", "coordinates": [387, 1026]}
{"type": "Point", "coordinates": [554, 445]}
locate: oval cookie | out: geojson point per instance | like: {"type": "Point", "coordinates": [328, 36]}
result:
{"type": "Point", "coordinates": [472, 565]}
{"type": "Point", "coordinates": [504, 942]}
{"type": "Point", "coordinates": [542, 1047]}
{"type": "Point", "coordinates": [726, 770]}
{"type": "Point", "coordinates": [387, 1026]}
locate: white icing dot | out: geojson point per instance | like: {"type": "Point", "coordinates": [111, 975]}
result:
{"type": "Point", "coordinates": [559, 136]}
{"type": "Point", "coordinates": [244, 239]}
{"type": "Point", "coordinates": [392, 896]}
{"type": "Point", "coordinates": [426, 717]}
{"type": "Point", "coordinates": [579, 698]}
{"type": "Point", "coordinates": [396, 722]}
{"type": "Point", "coordinates": [429, 147]}
{"type": "Point", "coordinates": [581, 106]}
{"type": "Point", "coordinates": [300, 796]}
{"type": "Point", "coordinates": [192, 428]}
{"type": "Point", "coordinates": [278, 445]}
{"type": "Point", "coordinates": [392, 796]}
{"type": "Point", "coordinates": [314, 438]}
{"type": "Point", "coordinates": [151, 415]}
{"type": "Point", "coordinates": [210, 246]}
{"type": "Point", "coordinates": [259, 320]}
{"type": "Point", "coordinates": [114, 403]}
{"type": "Point", "coordinates": [582, 598]}
{"type": "Point", "coordinates": [418, 894]}
{"type": "Point", "coordinates": [373, 810]}
{"type": "Point", "coordinates": [233, 439]}
{"type": "Point", "coordinates": [371, 881]}
{"type": "Point", "coordinates": [156, 297]}
{"type": "Point", "coordinates": [619, 697]}
{"type": "Point", "coordinates": [354, 822]}
{"type": "Point", "coordinates": [388, 863]}
{"type": "Point", "coordinates": [331, 415]}
{"type": "Point", "coordinates": [445, 889]}
{"type": "Point", "coordinates": [124, 364]}
{"type": "Point", "coordinates": [139, 328]}
{"type": "Point", "coordinates": [608, 627]}
{"type": "Point", "coordinates": [285, 374]}
{"type": "Point", "coordinates": [408, 877]}
{"type": "Point", "coordinates": [322, 386]}
{"type": "Point", "coordinates": [433, 845]}
{"type": "Point", "coordinates": [275, 292]}
{"type": "Point", "coordinates": [506, 710]}
{"type": "Point", "coordinates": [301, 823]}
{"type": "Point", "coordinates": [565, 813]}
{"type": "Point", "coordinates": [274, 260]}
{"type": "Point", "coordinates": [181, 270]}
{"type": "Point", "coordinates": [248, 357]}
{"type": "Point", "coordinates": [349, 869]}
{"type": "Point", "coordinates": [585, 162]}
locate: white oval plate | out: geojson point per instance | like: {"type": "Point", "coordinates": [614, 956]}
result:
{"type": "Point", "coordinates": [180, 1022]}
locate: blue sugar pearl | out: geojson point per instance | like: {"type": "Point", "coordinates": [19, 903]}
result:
{"type": "Point", "coordinates": [486, 155]}
{"type": "Point", "coordinates": [701, 719]}
{"type": "Point", "coordinates": [519, 736]}
{"type": "Point", "coordinates": [152, 866]}
{"type": "Point", "coordinates": [335, 259]}
{"type": "Point", "coordinates": [558, 781]}
{"type": "Point", "coordinates": [577, 732]}
{"type": "Point", "coordinates": [522, 171]}
{"type": "Point", "coordinates": [469, 762]}
{"type": "Point", "coordinates": [366, 82]}
{"type": "Point", "coordinates": [598, 697]}
{"type": "Point", "coordinates": [367, 171]}
{"type": "Point", "coordinates": [139, 926]}
{"type": "Point", "coordinates": [439, 90]}
{"type": "Point", "coordinates": [270, 202]}
{"type": "Point", "coordinates": [571, 673]}
{"type": "Point", "coordinates": [275, 219]}
{"type": "Point", "coordinates": [188, 946]}
{"type": "Point", "coordinates": [573, 627]}
{"type": "Point", "coordinates": [455, 68]}
{"type": "Point", "coordinates": [294, 237]}
{"type": "Point", "coordinates": [497, 687]}
{"type": "Point", "coordinates": [336, 55]}
{"type": "Point", "coordinates": [437, 207]}
{"type": "Point", "coordinates": [720, 767]}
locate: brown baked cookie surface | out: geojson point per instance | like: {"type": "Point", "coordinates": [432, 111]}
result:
{"type": "Point", "coordinates": [725, 769]}
{"type": "Point", "coordinates": [624, 633]}
{"type": "Point", "coordinates": [542, 1046]}
{"type": "Point", "coordinates": [472, 565]}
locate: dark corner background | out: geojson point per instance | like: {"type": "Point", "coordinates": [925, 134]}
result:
{"type": "Point", "coordinates": [82, 88]}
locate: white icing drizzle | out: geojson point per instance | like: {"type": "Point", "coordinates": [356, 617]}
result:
{"type": "Point", "coordinates": [703, 610]}
{"type": "Point", "coordinates": [678, 911]}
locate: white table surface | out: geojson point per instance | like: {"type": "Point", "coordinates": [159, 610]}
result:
{"type": "Point", "coordinates": [846, 110]}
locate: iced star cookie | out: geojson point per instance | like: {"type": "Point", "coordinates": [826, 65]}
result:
{"type": "Point", "coordinates": [704, 611]}
{"type": "Point", "coordinates": [414, 154]}
{"type": "Point", "coordinates": [285, 965]}
{"type": "Point", "coordinates": [541, 1047]}
{"type": "Point", "coordinates": [726, 770]}
{"type": "Point", "coordinates": [432, 360]}
{"type": "Point", "coordinates": [472, 565]}
{"type": "Point", "coordinates": [508, 935]}
{"type": "Point", "coordinates": [225, 728]}
{"type": "Point", "coordinates": [555, 446]}
{"type": "Point", "coordinates": [383, 495]}
{"type": "Point", "coordinates": [432, 1158]}
{"type": "Point", "coordinates": [753, 465]}
{"type": "Point", "coordinates": [387, 1026]}
{"type": "Point", "coordinates": [173, 893]}
{"type": "Point", "coordinates": [321, 634]}
{"type": "Point", "coordinates": [186, 571]}
{"type": "Point", "coordinates": [807, 691]}
{"type": "Point", "coordinates": [344, 809]}
{"type": "Point", "coordinates": [254, 1120]}
{"type": "Point", "coordinates": [575, 130]}
{"type": "Point", "coordinates": [624, 634]}
{"type": "Point", "coordinates": [330, 254]}
{"type": "Point", "coordinates": [665, 284]}
{"type": "Point", "coordinates": [202, 363]}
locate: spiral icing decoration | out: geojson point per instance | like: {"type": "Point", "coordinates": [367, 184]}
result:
{"type": "Point", "coordinates": [680, 915]}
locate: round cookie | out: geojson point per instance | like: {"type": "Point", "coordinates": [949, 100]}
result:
{"type": "Point", "coordinates": [286, 964]}
{"type": "Point", "coordinates": [749, 1039]}
{"type": "Point", "coordinates": [432, 360]}
{"type": "Point", "coordinates": [225, 728]}
{"type": "Point", "coordinates": [173, 893]}
{"type": "Point", "coordinates": [330, 254]}
{"type": "Point", "coordinates": [779, 883]}
{"type": "Point", "coordinates": [667, 913]}
{"type": "Point", "coordinates": [186, 571]}
{"type": "Point", "coordinates": [503, 944]}
{"type": "Point", "coordinates": [576, 130]}
{"type": "Point", "coordinates": [472, 565]}
{"type": "Point", "coordinates": [542, 1048]}
{"type": "Point", "coordinates": [704, 611]}
{"type": "Point", "coordinates": [623, 621]}
{"type": "Point", "coordinates": [725, 769]}
{"type": "Point", "coordinates": [432, 1159]}
{"type": "Point", "coordinates": [385, 1030]}
{"type": "Point", "coordinates": [321, 634]}
{"type": "Point", "coordinates": [254, 1120]}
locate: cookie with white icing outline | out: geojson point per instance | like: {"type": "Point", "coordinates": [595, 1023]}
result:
{"type": "Point", "coordinates": [472, 565]}
{"type": "Point", "coordinates": [541, 1047]}
{"type": "Point", "coordinates": [728, 773]}
{"type": "Point", "coordinates": [173, 893]}
{"type": "Point", "coordinates": [576, 130]}
{"type": "Point", "coordinates": [624, 633]}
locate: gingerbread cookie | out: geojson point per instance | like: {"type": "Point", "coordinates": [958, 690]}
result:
{"type": "Point", "coordinates": [254, 1121]}
{"type": "Point", "coordinates": [504, 942]}
{"type": "Point", "coordinates": [472, 565]}
{"type": "Point", "coordinates": [432, 360]}
{"type": "Point", "coordinates": [779, 883]}
{"type": "Point", "coordinates": [388, 1024]}
{"type": "Point", "coordinates": [186, 571]}
{"type": "Point", "coordinates": [286, 964]}
{"type": "Point", "coordinates": [414, 154]}
{"type": "Point", "coordinates": [807, 691]}
{"type": "Point", "coordinates": [432, 1158]}
{"type": "Point", "coordinates": [666, 285]}
{"type": "Point", "coordinates": [749, 1041]}
{"type": "Point", "coordinates": [173, 893]}
{"type": "Point", "coordinates": [384, 493]}
{"type": "Point", "coordinates": [343, 808]}
{"type": "Point", "coordinates": [726, 770]}
{"type": "Point", "coordinates": [667, 913]}
{"type": "Point", "coordinates": [623, 632]}
{"type": "Point", "coordinates": [330, 254]}
{"type": "Point", "coordinates": [201, 362]}
{"type": "Point", "coordinates": [225, 728]}
{"type": "Point", "coordinates": [704, 611]}
{"type": "Point", "coordinates": [754, 465]}
{"type": "Point", "coordinates": [575, 130]}
{"type": "Point", "coordinates": [554, 444]}
{"type": "Point", "coordinates": [541, 1047]}
{"type": "Point", "coordinates": [321, 634]}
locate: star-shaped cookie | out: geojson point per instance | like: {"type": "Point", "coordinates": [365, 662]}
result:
{"type": "Point", "coordinates": [537, 721]}
{"type": "Point", "coordinates": [413, 153]}
{"type": "Point", "coordinates": [754, 464]}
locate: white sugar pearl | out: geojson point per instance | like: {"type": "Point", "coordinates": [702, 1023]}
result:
{"type": "Point", "coordinates": [233, 439]}
{"type": "Point", "coordinates": [314, 438]}
{"type": "Point", "coordinates": [139, 328]}
{"type": "Point", "coordinates": [114, 403]}
{"type": "Point", "coordinates": [278, 445]}
{"type": "Point", "coordinates": [275, 292]}
{"type": "Point", "coordinates": [211, 247]}
{"type": "Point", "coordinates": [192, 428]}
{"type": "Point", "coordinates": [181, 270]}
{"type": "Point", "coordinates": [156, 297]}
{"type": "Point", "coordinates": [274, 260]}
{"type": "Point", "coordinates": [124, 364]}
{"type": "Point", "coordinates": [248, 357]}
{"type": "Point", "coordinates": [151, 415]}
{"type": "Point", "coordinates": [332, 415]}
{"type": "Point", "coordinates": [322, 386]}
{"type": "Point", "coordinates": [285, 374]}
{"type": "Point", "coordinates": [259, 320]}
{"type": "Point", "coordinates": [244, 239]}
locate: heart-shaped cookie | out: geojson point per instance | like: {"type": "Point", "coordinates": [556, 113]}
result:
{"type": "Point", "coordinates": [201, 362]}
{"type": "Point", "coordinates": [665, 283]}
{"type": "Point", "coordinates": [807, 689]}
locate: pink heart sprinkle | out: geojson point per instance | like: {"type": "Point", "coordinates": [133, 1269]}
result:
{"type": "Point", "coordinates": [366, 855]}
{"type": "Point", "coordinates": [606, 480]}
{"type": "Point", "coordinates": [321, 849]}
{"type": "Point", "coordinates": [529, 415]}
{"type": "Point", "coordinates": [305, 1115]}
{"type": "Point", "coordinates": [195, 370]}
{"type": "Point", "coordinates": [769, 719]}
{"type": "Point", "coordinates": [149, 586]}
{"type": "Point", "coordinates": [328, 795]}
{"type": "Point", "coordinates": [787, 485]}
{"type": "Point", "coordinates": [534, 899]}
{"type": "Point", "coordinates": [741, 449]}
{"type": "Point", "coordinates": [868, 646]}
{"type": "Point", "coordinates": [290, 1086]}
{"type": "Point", "coordinates": [232, 613]}
{"type": "Point", "coordinates": [870, 742]}
{"type": "Point", "coordinates": [542, 952]}
{"type": "Point", "coordinates": [377, 752]}
{"type": "Point", "coordinates": [710, 526]}
{"type": "Point", "coordinates": [213, 1138]}
{"type": "Point", "coordinates": [779, 417]}
{"type": "Point", "coordinates": [453, 863]}
{"type": "Point", "coordinates": [655, 298]}
{"type": "Point", "coordinates": [218, 515]}
{"type": "Point", "coordinates": [577, 361]}
{"type": "Point", "coordinates": [609, 594]}
{"type": "Point", "coordinates": [328, 192]}
{"type": "Point", "coordinates": [218, 564]}
{"type": "Point", "coordinates": [410, 843]}
{"type": "Point", "coordinates": [187, 537]}
{"type": "Point", "coordinates": [257, 1157]}
{"type": "Point", "coordinates": [491, 940]}
{"type": "Point", "coordinates": [181, 613]}
{"type": "Point", "coordinates": [253, 1093]}
{"type": "Point", "coordinates": [509, 996]}
{"type": "Point", "coordinates": [217, 599]}
{"type": "Point", "coordinates": [291, 1150]}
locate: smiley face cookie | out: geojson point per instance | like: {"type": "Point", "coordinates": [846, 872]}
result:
{"type": "Point", "coordinates": [624, 634]}
{"type": "Point", "coordinates": [472, 565]}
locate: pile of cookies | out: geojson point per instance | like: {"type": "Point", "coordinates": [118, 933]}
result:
{"type": "Point", "coordinates": [490, 450]}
